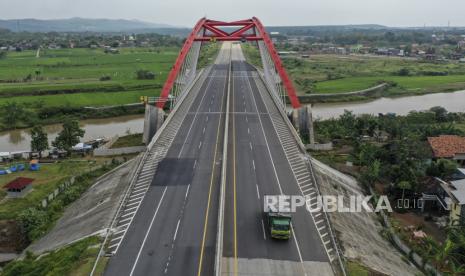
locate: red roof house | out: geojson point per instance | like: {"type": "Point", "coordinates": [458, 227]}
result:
{"type": "Point", "coordinates": [19, 187]}
{"type": "Point", "coordinates": [447, 146]}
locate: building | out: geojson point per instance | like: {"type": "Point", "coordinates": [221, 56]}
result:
{"type": "Point", "coordinates": [457, 208]}
{"type": "Point", "coordinates": [19, 187]}
{"type": "Point", "coordinates": [448, 147]}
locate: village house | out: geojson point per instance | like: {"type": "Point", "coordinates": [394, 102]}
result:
{"type": "Point", "coordinates": [448, 147]}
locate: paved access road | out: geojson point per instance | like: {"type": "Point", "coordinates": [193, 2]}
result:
{"type": "Point", "coordinates": [174, 230]}
{"type": "Point", "coordinates": [257, 166]}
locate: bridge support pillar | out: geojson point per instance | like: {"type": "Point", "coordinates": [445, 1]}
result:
{"type": "Point", "coordinates": [303, 122]}
{"type": "Point", "coordinates": [154, 118]}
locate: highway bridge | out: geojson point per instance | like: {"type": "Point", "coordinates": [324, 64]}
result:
{"type": "Point", "coordinates": [195, 205]}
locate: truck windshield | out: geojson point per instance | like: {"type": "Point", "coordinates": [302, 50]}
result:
{"type": "Point", "coordinates": [281, 224]}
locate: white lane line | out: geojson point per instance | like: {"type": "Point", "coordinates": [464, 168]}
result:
{"type": "Point", "coordinates": [136, 198]}
{"type": "Point", "coordinates": [130, 209]}
{"type": "Point", "coordinates": [195, 116]}
{"type": "Point", "coordinates": [200, 144]}
{"type": "Point", "coordinates": [176, 232]}
{"type": "Point", "coordinates": [253, 164]}
{"type": "Point", "coordinates": [258, 192]}
{"type": "Point", "coordinates": [203, 130]}
{"type": "Point", "coordinates": [206, 119]}
{"type": "Point", "coordinates": [195, 163]}
{"type": "Point", "coordinates": [187, 192]}
{"type": "Point", "coordinates": [125, 225]}
{"type": "Point", "coordinates": [263, 228]}
{"type": "Point", "coordinates": [250, 145]}
{"type": "Point", "coordinates": [148, 231]}
{"type": "Point", "coordinates": [128, 214]}
{"type": "Point", "coordinates": [126, 219]}
{"type": "Point", "coordinates": [298, 250]}
{"type": "Point", "coordinates": [248, 130]}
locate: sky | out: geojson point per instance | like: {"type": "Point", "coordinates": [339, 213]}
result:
{"type": "Point", "coordinates": [396, 13]}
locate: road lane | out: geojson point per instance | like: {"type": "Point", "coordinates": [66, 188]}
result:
{"type": "Point", "coordinates": [174, 229]}
{"type": "Point", "coordinates": [259, 167]}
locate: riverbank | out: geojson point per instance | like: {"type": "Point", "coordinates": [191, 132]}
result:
{"type": "Point", "coordinates": [19, 139]}
{"type": "Point", "coordinates": [388, 89]}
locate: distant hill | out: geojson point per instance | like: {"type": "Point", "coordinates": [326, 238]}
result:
{"type": "Point", "coordinates": [81, 25]}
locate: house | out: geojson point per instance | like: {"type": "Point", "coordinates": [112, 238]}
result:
{"type": "Point", "coordinates": [448, 147]}
{"type": "Point", "coordinates": [446, 197]}
{"type": "Point", "coordinates": [457, 208]}
{"type": "Point", "coordinates": [19, 187]}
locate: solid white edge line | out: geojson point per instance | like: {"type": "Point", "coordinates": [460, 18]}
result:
{"type": "Point", "coordinates": [148, 231]}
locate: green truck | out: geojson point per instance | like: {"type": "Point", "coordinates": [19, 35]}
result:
{"type": "Point", "coordinates": [279, 225]}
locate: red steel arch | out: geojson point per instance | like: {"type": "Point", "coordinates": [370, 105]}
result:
{"type": "Point", "coordinates": [212, 27]}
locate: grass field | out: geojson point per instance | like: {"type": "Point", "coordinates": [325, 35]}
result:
{"type": "Point", "coordinates": [336, 74]}
{"type": "Point", "coordinates": [432, 83]}
{"type": "Point", "coordinates": [45, 181]}
{"type": "Point", "coordinates": [71, 76]}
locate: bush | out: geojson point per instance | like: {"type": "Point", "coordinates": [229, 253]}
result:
{"type": "Point", "coordinates": [145, 75]}
{"type": "Point", "coordinates": [105, 78]}
{"type": "Point", "coordinates": [33, 222]}
{"type": "Point", "coordinates": [403, 72]}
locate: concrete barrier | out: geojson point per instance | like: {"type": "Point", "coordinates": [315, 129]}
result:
{"type": "Point", "coordinates": [320, 147]}
{"type": "Point", "coordinates": [119, 151]}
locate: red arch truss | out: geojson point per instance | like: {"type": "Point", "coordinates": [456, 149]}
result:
{"type": "Point", "coordinates": [242, 30]}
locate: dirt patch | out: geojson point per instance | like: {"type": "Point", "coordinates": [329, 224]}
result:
{"type": "Point", "coordinates": [417, 221]}
{"type": "Point", "coordinates": [11, 239]}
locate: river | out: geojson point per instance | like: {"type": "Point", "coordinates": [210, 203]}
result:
{"type": "Point", "coordinates": [17, 140]}
{"type": "Point", "coordinates": [454, 102]}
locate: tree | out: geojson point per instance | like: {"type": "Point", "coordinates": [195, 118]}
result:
{"type": "Point", "coordinates": [404, 185]}
{"type": "Point", "coordinates": [371, 173]}
{"type": "Point", "coordinates": [69, 136]}
{"type": "Point", "coordinates": [440, 113]}
{"type": "Point", "coordinates": [145, 75]}
{"type": "Point", "coordinates": [442, 168]}
{"type": "Point", "coordinates": [404, 72]}
{"type": "Point", "coordinates": [39, 139]}
{"type": "Point", "coordinates": [12, 113]}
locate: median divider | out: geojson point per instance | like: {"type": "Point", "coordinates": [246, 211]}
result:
{"type": "Point", "coordinates": [220, 230]}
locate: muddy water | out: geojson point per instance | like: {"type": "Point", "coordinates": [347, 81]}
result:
{"type": "Point", "coordinates": [451, 101]}
{"type": "Point", "coordinates": [17, 140]}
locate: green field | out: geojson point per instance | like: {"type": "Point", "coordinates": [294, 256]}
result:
{"type": "Point", "coordinates": [414, 83]}
{"type": "Point", "coordinates": [45, 182]}
{"type": "Point", "coordinates": [338, 74]}
{"type": "Point", "coordinates": [71, 76]}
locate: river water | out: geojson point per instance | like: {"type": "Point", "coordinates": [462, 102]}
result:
{"type": "Point", "coordinates": [17, 140]}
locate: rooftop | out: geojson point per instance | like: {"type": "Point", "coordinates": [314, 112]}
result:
{"type": "Point", "coordinates": [459, 192]}
{"type": "Point", "coordinates": [447, 146]}
{"type": "Point", "coordinates": [19, 183]}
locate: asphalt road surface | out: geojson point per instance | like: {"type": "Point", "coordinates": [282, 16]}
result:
{"type": "Point", "coordinates": [257, 166]}
{"type": "Point", "coordinates": [174, 230]}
